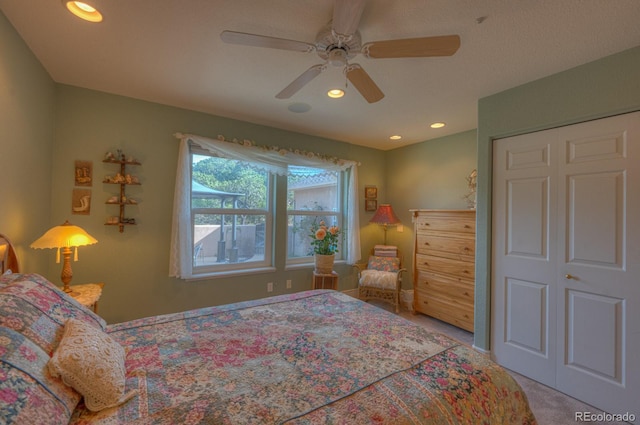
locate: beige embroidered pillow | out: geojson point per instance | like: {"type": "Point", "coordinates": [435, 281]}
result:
{"type": "Point", "coordinates": [91, 362]}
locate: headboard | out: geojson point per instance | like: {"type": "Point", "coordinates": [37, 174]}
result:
{"type": "Point", "coordinates": [8, 259]}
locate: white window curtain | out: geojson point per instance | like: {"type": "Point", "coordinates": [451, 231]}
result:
{"type": "Point", "coordinates": [271, 159]}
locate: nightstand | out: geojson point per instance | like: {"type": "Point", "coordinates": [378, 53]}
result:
{"type": "Point", "coordinates": [325, 281]}
{"type": "Point", "coordinates": [87, 294]}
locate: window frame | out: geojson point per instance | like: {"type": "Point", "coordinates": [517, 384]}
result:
{"type": "Point", "coordinates": [341, 195]}
{"type": "Point", "coordinates": [227, 269]}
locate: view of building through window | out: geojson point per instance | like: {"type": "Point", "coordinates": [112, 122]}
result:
{"type": "Point", "coordinates": [313, 195]}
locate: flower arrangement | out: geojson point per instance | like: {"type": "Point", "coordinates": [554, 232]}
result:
{"type": "Point", "coordinates": [324, 239]}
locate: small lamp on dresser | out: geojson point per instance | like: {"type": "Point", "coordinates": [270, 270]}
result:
{"type": "Point", "coordinates": [65, 237]}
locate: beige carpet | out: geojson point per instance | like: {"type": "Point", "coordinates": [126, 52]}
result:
{"type": "Point", "coordinates": [548, 405]}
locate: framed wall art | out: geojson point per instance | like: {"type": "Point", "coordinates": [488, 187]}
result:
{"type": "Point", "coordinates": [370, 204]}
{"type": "Point", "coordinates": [84, 173]}
{"type": "Point", "coordinates": [81, 201]}
{"type": "Point", "coordinates": [370, 192]}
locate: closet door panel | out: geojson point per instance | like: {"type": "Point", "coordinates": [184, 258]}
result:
{"type": "Point", "coordinates": [524, 264]}
{"type": "Point", "coordinates": [599, 263]}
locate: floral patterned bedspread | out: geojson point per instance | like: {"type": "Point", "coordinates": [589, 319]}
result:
{"type": "Point", "coordinates": [315, 357]}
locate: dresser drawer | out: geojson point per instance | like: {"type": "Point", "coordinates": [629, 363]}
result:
{"type": "Point", "coordinates": [462, 248]}
{"type": "Point", "coordinates": [456, 290]}
{"type": "Point", "coordinates": [450, 312]}
{"type": "Point", "coordinates": [447, 222]}
{"type": "Point", "coordinates": [442, 265]}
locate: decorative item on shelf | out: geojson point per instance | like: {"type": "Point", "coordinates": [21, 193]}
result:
{"type": "Point", "coordinates": [123, 179]}
{"type": "Point", "coordinates": [324, 241]}
{"type": "Point", "coordinates": [385, 217]}
{"type": "Point", "coordinates": [65, 237]}
{"type": "Point", "coordinates": [471, 184]}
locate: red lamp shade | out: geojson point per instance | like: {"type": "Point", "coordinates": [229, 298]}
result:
{"type": "Point", "coordinates": [384, 215]}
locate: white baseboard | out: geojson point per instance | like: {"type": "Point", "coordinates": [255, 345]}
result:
{"type": "Point", "coordinates": [481, 350]}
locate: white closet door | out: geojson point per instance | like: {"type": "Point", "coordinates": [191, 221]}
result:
{"type": "Point", "coordinates": [599, 263]}
{"type": "Point", "coordinates": [524, 255]}
{"type": "Point", "coordinates": [566, 260]}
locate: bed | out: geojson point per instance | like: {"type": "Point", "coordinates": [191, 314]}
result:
{"type": "Point", "coordinates": [315, 357]}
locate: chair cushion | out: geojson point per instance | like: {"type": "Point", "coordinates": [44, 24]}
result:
{"type": "Point", "coordinates": [378, 279]}
{"type": "Point", "coordinates": [385, 264]}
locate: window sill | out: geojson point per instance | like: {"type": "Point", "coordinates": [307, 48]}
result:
{"type": "Point", "coordinates": [230, 273]}
{"type": "Point", "coordinates": [299, 266]}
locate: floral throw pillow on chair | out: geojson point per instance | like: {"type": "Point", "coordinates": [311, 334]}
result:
{"type": "Point", "coordinates": [384, 264]}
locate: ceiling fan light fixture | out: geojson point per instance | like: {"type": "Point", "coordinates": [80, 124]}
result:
{"type": "Point", "coordinates": [437, 125]}
{"type": "Point", "coordinates": [337, 57]}
{"type": "Point", "coordinates": [83, 10]}
{"type": "Point", "coordinates": [335, 93]}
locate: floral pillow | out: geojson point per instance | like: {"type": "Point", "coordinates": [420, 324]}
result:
{"type": "Point", "coordinates": [33, 312]}
{"type": "Point", "coordinates": [384, 264]}
{"type": "Point", "coordinates": [33, 306]}
{"type": "Point", "coordinates": [28, 393]}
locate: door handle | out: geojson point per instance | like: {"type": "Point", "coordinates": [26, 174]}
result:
{"type": "Point", "coordinates": [568, 276]}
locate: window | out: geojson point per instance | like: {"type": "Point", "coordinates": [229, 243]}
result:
{"type": "Point", "coordinates": [230, 214]}
{"type": "Point", "coordinates": [313, 195]}
{"type": "Point", "coordinates": [224, 208]}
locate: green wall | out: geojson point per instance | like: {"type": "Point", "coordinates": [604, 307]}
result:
{"type": "Point", "coordinates": [27, 125]}
{"type": "Point", "coordinates": [430, 174]}
{"type": "Point", "coordinates": [598, 89]}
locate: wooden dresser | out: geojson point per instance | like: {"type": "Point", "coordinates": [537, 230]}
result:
{"type": "Point", "coordinates": [444, 265]}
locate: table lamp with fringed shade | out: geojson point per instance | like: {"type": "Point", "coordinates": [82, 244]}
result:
{"type": "Point", "coordinates": [65, 237]}
{"type": "Point", "coordinates": [385, 217]}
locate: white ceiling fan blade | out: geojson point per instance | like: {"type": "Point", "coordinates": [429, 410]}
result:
{"type": "Point", "coordinates": [346, 16]}
{"type": "Point", "coordinates": [423, 47]}
{"type": "Point", "coordinates": [301, 81]}
{"type": "Point", "coordinates": [255, 40]}
{"type": "Point", "coordinates": [363, 83]}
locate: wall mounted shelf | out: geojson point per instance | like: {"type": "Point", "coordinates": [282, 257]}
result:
{"type": "Point", "coordinates": [123, 180]}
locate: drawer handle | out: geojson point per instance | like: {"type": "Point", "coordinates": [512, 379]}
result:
{"type": "Point", "coordinates": [466, 226]}
{"type": "Point", "coordinates": [426, 243]}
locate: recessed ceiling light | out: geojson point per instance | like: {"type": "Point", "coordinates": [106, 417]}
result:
{"type": "Point", "coordinates": [438, 125]}
{"type": "Point", "coordinates": [335, 93]}
{"type": "Point", "coordinates": [395, 137]}
{"type": "Point", "coordinates": [83, 10]}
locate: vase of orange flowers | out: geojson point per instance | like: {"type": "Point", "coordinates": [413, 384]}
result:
{"type": "Point", "coordinates": [324, 241]}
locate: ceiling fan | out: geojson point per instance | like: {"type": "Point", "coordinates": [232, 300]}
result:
{"type": "Point", "coordinates": [339, 41]}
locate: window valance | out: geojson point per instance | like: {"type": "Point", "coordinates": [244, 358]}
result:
{"type": "Point", "coordinates": [272, 159]}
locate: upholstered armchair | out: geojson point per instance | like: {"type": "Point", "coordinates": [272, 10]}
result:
{"type": "Point", "coordinates": [381, 277]}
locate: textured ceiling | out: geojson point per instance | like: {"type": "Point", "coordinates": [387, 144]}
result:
{"type": "Point", "coordinates": [170, 52]}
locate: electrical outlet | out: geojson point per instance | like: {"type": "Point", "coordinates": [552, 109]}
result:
{"type": "Point", "coordinates": [270, 287]}
{"type": "Point", "coordinates": [288, 283]}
